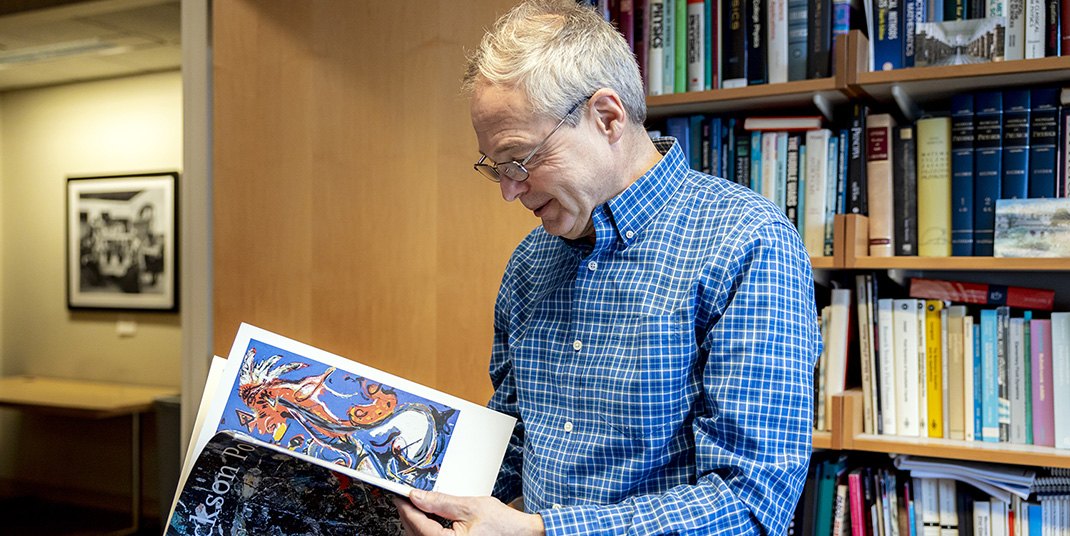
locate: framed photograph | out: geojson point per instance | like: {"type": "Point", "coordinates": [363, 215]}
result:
{"type": "Point", "coordinates": [122, 236]}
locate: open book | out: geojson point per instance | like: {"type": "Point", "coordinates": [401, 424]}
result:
{"type": "Point", "coordinates": [290, 439]}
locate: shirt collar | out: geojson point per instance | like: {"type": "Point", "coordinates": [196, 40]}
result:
{"type": "Point", "coordinates": [636, 206]}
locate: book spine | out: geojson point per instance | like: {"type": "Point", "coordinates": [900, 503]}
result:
{"type": "Point", "coordinates": [856, 494]}
{"type": "Point", "coordinates": [742, 157]}
{"type": "Point", "coordinates": [756, 150]}
{"type": "Point", "coordinates": [1014, 49]}
{"type": "Point", "coordinates": [680, 44]}
{"type": "Point", "coordinates": [817, 149]}
{"type": "Point", "coordinates": [968, 379]}
{"type": "Point", "coordinates": [831, 177]}
{"type": "Point", "coordinates": [982, 293]}
{"type": "Point", "coordinates": [1060, 367]}
{"type": "Point", "coordinates": [987, 167]}
{"type": "Point", "coordinates": [641, 46]}
{"type": "Point", "coordinates": [879, 184]}
{"type": "Point", "coordinates": [791, 191]}
{"type": "Point", "coordinates": [934, 377]}
{"type": "Point", "coordinates": [656, 42]}
{"type": "Point", "coordinates": [781, 185]}
{"type": "Point", "coordinates": [962, 133]}
{"type": "Point", "coordinates": [1016, 374]}
{"type": "Point", "coordinates": [716, 164]}
{"type": "Point", "coordinates": [905, 191]}
{"type": "Point", "coordinates": [934, 186]}
{"type": "Point", "coordinates": [922, 349]}
{"type": "Point", "coordinates": [797, 21]}
{"type": "Point", "coordinates": [1062, 182]}
{"type": "Point", "coordinates": [856, 168]}
{"type": "Point", "coordinates": [819, 38]}
{"type": "Point", "coordinates": [867, 357]}
{"type": "Point", "coordinates": [930, 506]}
{"type": "Point", "coordinates": [769, 165]}
{"type": "Point", "coordinates": [906, 363]}
{"type": "Point", "coordinates": [997, 9]}
{"type": "Point", "coordinates": [1064, 29]}
{"type": "Point", "coordinates": [949, 521]}
{"type": "Point", "coordinates": [1027, 375]}
{"type": "Point", "coordinates": [757, 36]}
{"type": "Point", "coordinates": [978, 383]}
{"type": "Point", "coordinates": [696, 50]}
{"type": "Point", "coordinates": [1034, 29]}
{"type": "Point", "coordinates": [888, 43]}
{"type": "Point", "coordinates": [777, 44]}
{"type": "Point", "coordinates": [710, 45]}
{"type": "Point", "coordinates": [1044, 142]}
{"type": "Point", "coordinates": [734, 24]}
{"type": "Point", "coordinates": [956, 376]}
{"type": "Point", "coordinates": [696, 132]}
{"type": "Point", "coordinates": [886, 364]}
{"type": "Point", "coordinates": [989, 375]}
{"type": "Point", "coordinates": [668, 49]}
{"type": "Point", "coordinates": [1043, 405]}
{"type": "Point", "coordinates": [954, 10]}
{"type": "Point", "coordinates": [1015, 183]}
{"type": "Point", "coordinates": [1003, 372]}
{"type": "Point", "coordinates": [909, 25]}
{"type": "Point", "coordinates": [1051, 27]}
{"type": "Point", "coordinates": [626, 22]}
{"type": "Point", "coordinates": [680, 128]}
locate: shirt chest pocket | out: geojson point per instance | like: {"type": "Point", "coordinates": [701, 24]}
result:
{"type": "Point", "coordinates": [647, 381]}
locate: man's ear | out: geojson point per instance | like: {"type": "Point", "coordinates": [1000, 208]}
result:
{"type": "Point", "coordinates": [610, 117]}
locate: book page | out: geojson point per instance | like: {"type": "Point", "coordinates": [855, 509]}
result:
{"type": "Point", "coordinates": [352, 418]}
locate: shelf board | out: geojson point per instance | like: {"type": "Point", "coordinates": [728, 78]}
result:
{"type": "Point", "coordinates": [822, 263]}
{"type": "Point", "coordinates": [822, 440]}
{"type": "Point", "coordinates": [942, 82]}
{"type": "Point", "coordinates": [1006, 453]}
{"type": "Point", "coordinates": [960, 263]}
{"type": "Point", "coordinates": [760, 97]}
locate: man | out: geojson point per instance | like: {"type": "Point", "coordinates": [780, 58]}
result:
{"type": "Point", "coordinates": [656, 336]}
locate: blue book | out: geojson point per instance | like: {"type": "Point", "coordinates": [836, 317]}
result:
{"type": "Point", "coordinates": [1044, 142]}
{"type": "Point", "coordinates": [756, 161]}
{"type": "Point", "coordinates": [781, 191]}
{"type": "Point", "coordinates": [909, 25]}
{"type": "Point", "coordinates": [1015, 144]}
{"type": "Point", "coordinates": [978, 385]}
{"type": "Point", "coordinates": [709, 51]}
{"type": "Point", "coordinates": [734, 25]}
{"type": "Point", "coordinates": [987, 167]}
{"type": "Point", "coordinates": [711, 143]}
{"type": "Point", "coordinates": [695, 140]}
{"type": "Point", "coordinates": [757, 37]}
{"type": "Point", "coordinates": [842, 162]}
{"type": "Point", "coordinates": [830, 192]}
{"type": "Point", "coordinates": [989, 375]}
{"type": "Point", "coordinates": [962, 133]}
{"type": "Point", "coordinates": [730, 151]}
{"type": "Point", "coordinates": [888, 41]}
{"type": "Point", "coordinates": [680, 128]}
{"type": "Point", "coordinates": [1035, 518]}
{"type": "Point", "coordinates": [797, 40]}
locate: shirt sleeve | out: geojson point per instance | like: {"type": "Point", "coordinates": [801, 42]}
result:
{"type": "Point", "coordinates": [508, 485]}
{"type": "Point", "coordinates": [757, 324]}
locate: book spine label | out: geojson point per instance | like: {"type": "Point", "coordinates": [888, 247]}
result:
{"type": "Point", "coordinates": [1016, 375]}
{"type": "Point", "coordinates": [934, 186]}
{"type": "Point", "coordinates": [988, 168]}
{"type": "Point", "coordinates": [962, 133]}
{"type": "Point", "coordinates": [879, 184]}
{"type": "Point", "coordinates": [905, 188]}
{"type": "Point", "coordinates": [1015, 183]}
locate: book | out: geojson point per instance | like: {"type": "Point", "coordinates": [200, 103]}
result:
{"type": "Point", "coordinates": [1016, 376]}
{"type": "Point", "coordinates": [1014, 49]}
{"type": "Point", "coordinates": [1035, 29]}
{"type": "Point", "coordinates": [1060, 373]}
{"type": "Point", "coordinates": [905, 191]}
{"type": "Point", "coordinates": [962, 175]}
{"type": "Point", "coordinates": [289, 436]}
{"type": "Point", "coordinates": [970, 383]}
{"type": "Point", "coordinates": [864, 308]}
{"type": "Point", "coordinates": [989, 377]}
{"type": "Point", "coordinates": [982, 293]}
{"type": "Point", "coordinates": [956, 376]}
{"type": "Point", "coordinates": [679, 74]}
{"type": "Point", "coordinates": [757, 39]}
{"type": "Point", "coordinates": [934, 186]}
{"type": "Point", "coordinates": [668, 48]}
{"type": "Point", "coordinates": [886, 36]}
{"type": "Point", "coordinates": [819, 38]}
{"type": "Point", "coordinates": [1003, 316]}
{"type": "Point", "coordinates": [934, 376]}
{"type": "Point", "coordinates": [777, 43]}
{"type": "Point", "coordinates": [817, 150]}
{"type": "Point", "coordinates": [797, 32]}
{"type": "Point", "coordinates": [987, 168]}
{"type": "Point", "coordinates": [958, 42]}
{"type": "Point", "coordinates": [1032, 228]}
{"type": "Point", "coordinates": [734, 24]}
{"type": "Point", "coordinates": [879, 187]}
{"type": "Point", "coordinates": [1015, 183]}
{"type": "Point", "coordinates": [696, 45]}
{"type": "Point", "coordinates": [792, 184]}
{"type": "Point", "coordinates": [856, 166]}
{"type": "Point", "coordinates": [1043, 405]}
{"type": "Point", "coordinates": [887, 368]}
{"type": "Point", "coordinates": [1044, 142]}
{"type": "Point", "coordinates": [907, 376]}
{"type": "Point", "coordinates": [655, 70]}
{"type": "Point", "coordinates": [921, 350]}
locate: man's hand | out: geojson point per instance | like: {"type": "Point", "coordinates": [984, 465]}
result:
{"type": "Point", "coordinates": [472, 516]}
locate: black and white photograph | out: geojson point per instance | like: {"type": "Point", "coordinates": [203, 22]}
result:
{"type": "Point", "coordinates": [121, 242]}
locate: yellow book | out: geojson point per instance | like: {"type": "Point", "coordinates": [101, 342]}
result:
{"type": "Point", "coordinates": [934, 186]}
{"type": "Point", "coordinates": [934, 369]}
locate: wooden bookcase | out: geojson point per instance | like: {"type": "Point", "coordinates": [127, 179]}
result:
{"type": "Point", "coordinates": [853, 82]}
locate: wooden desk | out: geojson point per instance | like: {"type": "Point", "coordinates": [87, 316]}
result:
{"type": "Point", "coordinates": [89, 400]}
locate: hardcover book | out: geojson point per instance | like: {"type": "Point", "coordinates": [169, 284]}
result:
{"type": "Point", "coordinates": [905, 191]}
{"type": "Point", "coordinates": [934, 187]}
{"type": "Point", "coordinates": [987, 167]}
{"type": "Point", "coordinates": [962, 175]}
{"type": "Point", "coordinates": [959, 42]}
{"type": "Point", "coordinates": [1015, 183]}
{"type": "Point", "coordinates": [1044, 142]}
{"type": "Point", "coordinates": [1032, 228]}
{"type": "Point", "coordinates": [982, 293]}
{"type": "Point", "coordinates": [735, 21]}
{"type": "Point", "coordinates": [879, 188]}
{"type": "Point", "coordinates": [290, 439]}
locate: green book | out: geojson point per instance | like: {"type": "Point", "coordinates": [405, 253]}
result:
{"type": "Point", "coordinates": [680, 44]}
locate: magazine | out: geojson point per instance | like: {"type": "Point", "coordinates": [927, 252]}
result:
{"type": "Point", "coordinates": [290, 439]}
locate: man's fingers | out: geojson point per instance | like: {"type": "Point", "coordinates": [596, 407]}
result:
{"type": "Point", "coordinates": [416, 522]}
{"type": "Point", "coordinates": [438, 504]}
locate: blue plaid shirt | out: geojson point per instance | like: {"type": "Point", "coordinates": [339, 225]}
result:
{"type": "Point", "coordinates": [661, 377]}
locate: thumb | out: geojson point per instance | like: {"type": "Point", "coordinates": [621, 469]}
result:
{"type": "Point", "coordinates": [440, 504]}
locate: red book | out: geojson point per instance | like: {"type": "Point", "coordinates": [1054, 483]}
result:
{"type": "Point", "coordinates": [859, 523]}
{"type": "Point", "coordinates": [982, 293]}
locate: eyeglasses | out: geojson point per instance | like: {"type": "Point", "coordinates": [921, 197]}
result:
{"type": "Point", "coordinates": [513, 170]}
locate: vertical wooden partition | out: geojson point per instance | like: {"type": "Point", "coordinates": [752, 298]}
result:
{"type": "Point", "coordinates": [346, 211]}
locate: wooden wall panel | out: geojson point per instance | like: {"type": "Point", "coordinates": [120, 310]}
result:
{"type": "Point", "coordinates": [346, 211]}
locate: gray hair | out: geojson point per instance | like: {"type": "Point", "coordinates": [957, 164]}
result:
{"type": "Point", "coordinates": [557, 52]}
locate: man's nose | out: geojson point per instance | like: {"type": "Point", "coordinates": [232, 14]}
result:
{"type": "Point", "coordinates": [512, 189]}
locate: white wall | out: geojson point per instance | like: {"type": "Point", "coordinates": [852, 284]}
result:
{"type": "Point", "coordinates": [95, 128]}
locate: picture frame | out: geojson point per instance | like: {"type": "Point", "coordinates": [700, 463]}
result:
{"type": "Point", "coordinates": [122, 242]}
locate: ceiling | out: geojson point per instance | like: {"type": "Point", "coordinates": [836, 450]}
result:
{"type": "Point", "coordinates": [48, 42]}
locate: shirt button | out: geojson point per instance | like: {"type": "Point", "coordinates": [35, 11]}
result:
{"type": "Point", "coordinates": [629, 234]}
{"type": "Point", "coordinates": [577, 345]}
{"type": "Point", "coordinates": [555, 506]}
{"type": "Point", "coordinates": [592, 265]}
{"type": "Point", "coordinates": [568, 426]}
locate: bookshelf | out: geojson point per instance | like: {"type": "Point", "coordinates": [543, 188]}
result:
{"type": "Point", "coordinates": [854, 83]}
